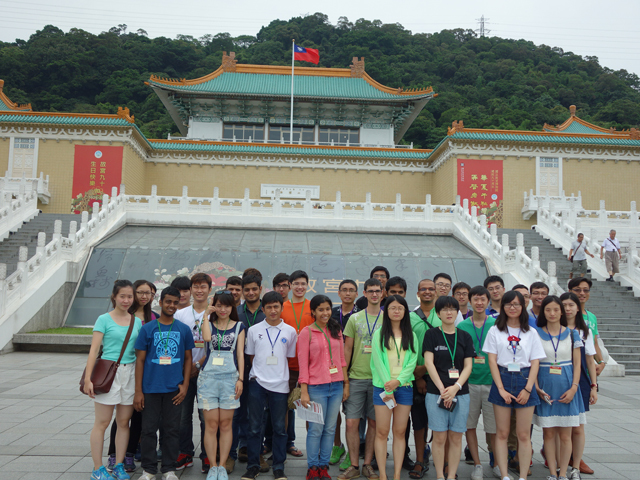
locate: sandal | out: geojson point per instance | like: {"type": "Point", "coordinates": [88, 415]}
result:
{"type": "Point", "coordinates": [418, 473]}
{"type": "Point", "coordinates": [292, 450]}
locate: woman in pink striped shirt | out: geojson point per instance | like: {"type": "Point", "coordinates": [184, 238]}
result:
{"type": "Point", "coordinates": [323, 379]}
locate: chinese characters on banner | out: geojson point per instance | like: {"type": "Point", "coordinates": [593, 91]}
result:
{"type": "Point", "coordinates": [480, 181]}
{"type": "Point", "coordinates": [96, 169]}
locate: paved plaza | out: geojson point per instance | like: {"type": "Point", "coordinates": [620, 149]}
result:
{"type": "Point", "coordinates": [45, 424]}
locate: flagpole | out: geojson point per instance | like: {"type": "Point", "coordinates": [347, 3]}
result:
{"type": "Point", "coordinates": [293, 44]}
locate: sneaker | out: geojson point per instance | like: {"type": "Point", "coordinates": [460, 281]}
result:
{"type": "Point", "coordinates": [138, 456]}
{"type": "Point", "coordinates": [552, 477]}
{"type": "Point", "coordinates": [324, 472]}
{"type": "Point", "coordinates": [336, 454]}
{"type": "Point", "coordinates": [222, 473]}
{"type": "Point", "coordinates": [206, 465]}
{"type": "Point", "coordinates": [251, 473]}
{"type": "Point", "coordinates": [184, 460]}
{"type": "Point", "coordinates": [101, 474]}
{"type": "Point", "coordinates": [264, 466]}
{"type": "Point", "coordinates": [169, 476]}
{"type": "Point", "coordinates": [230, 465]}
{"type": "Point", "coordinates": [312, 474]}
{"type": "Point", "coordinates": [575, 474]}
{"type": "Point", "coordinates": [346, 463]}
{"type": "Point", "coordinates": [111, 462]}
{"type": "Point", "coordinates": [477, 473]}
{"type": "Point", "coordinates": [491, 460]}
{"type": "Point", "coordinates": [242, 455]}
{"type": "Point", "coordinates": [147, 476]}
{"type": "Point", "coordinates": [496, 473]}
{"type": "Point", "coordinates": [407, 463]}
{"type": "Point", "coordinates": [562, 478]}
{"type": "Point", "coordinates": [468, 459]}
{"type": "Point", "coordinates": [369, 472]}
{"type": "Point", "coordinates": [426, 454]}
{"type": "Point", "coordinates": [350, 472]}
{"type": "Point", "coordinates": [212, 474]}
{"type": "Point", "coordinates": [279, 475]}
{"type": "Point", "coordinates": [119, 473]}
{"type": "Point", "coordinates": [129, 464]}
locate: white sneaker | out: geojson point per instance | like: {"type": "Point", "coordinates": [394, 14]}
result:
{"type": "Point", "coordinates": [147, 476]}
{"type": "Point", "coordinates": [169, 476]}
{"type": "Point", "coordinates": [575, 474]}
{"type": "Point", "coordinates": [496, 473]}
{"type": "Point", "coordinates": [477, 473]}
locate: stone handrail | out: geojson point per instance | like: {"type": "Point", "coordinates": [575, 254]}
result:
{"type": "Point", "coordinates": [15, 185]}
{"type": "Point", "coordinates": [15, 211]}
{"type": "Point", "coordinates": [532, 203]}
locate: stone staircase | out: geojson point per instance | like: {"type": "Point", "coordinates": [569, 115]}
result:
{"type": "Point", "coordinates": [614, 305]}
{"type": "Point", "coordinates": [27, 236]}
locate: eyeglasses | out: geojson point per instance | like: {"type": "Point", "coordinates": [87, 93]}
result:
{"type": "Point", "coordinates": [443, 285]}
{"type": "Point", "coordinates": [461, 294]}
{"type": "Point", "coordinates": [513, 306]}
{"type": "Point", "coordinates": [399, 308]}
{"type": "Point", "coordinates": [349, 290]}
{"type": "Point", "coordinates": [220, 292]}
{"type": "Point", "coordinates": [495, 289]}
{"type": "Point", "coordinates": [298, 284]}
{"type": "Point", "coordinates": [578, 290]}
{"type": "Point", "coordinates": [144, 294]}
{"type": "Point", "coordinates": [448, 309]}
{"type": "Point", "coordinates": [380, 277]}
{"type": "Point", "coordinates": [373, 292]}
{"type": "Point", "coordinates": [280, 286]}
{"type": "Point", "coordinates": [431, 289]}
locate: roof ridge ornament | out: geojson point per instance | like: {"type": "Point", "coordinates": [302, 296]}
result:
{"type": "Point", "coordinates": [455, 127]}
{"type": "Point", "coordinates": [572, 110]}
{"type": "Point", "coordinates": [229, 62]}
{"type": "Point", "coordinates": [123, 112]}
{"type": "Point", "coordinates": [357, 67]}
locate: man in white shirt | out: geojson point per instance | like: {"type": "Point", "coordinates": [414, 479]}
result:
{"type": "Point", "coordinates": [578, 256]}
{"type": "Point", "coordinates": [611, 249]}
{"type": "Point", "coordinates": [270, 344]}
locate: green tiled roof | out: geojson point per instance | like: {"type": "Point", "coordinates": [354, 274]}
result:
{"type": "Point", "coordinates": [4, 106]}
{"type": "Point", "coordinates": [577, 127]}
{"type": "Point", "coordinates": [64, 120]}
{"type": "Point", "coordinates": [400, 153]}
{"type": "Point", "coordinates": [558, 138]}
{"type": "Point", "coordinates": [280, 85]}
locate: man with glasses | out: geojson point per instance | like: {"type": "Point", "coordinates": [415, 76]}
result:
{"type": "Point", "coordinates": [357, 352]}
{"type": "Point", "coordinates": [461, 294]}
{"type": "Point", "coordinates": [382, 275]}
{"type": "Point", "coordinates": [495, 285]}
{"type": "Point", "coordinates": [192, 317]}
{"type": "Point", "coordinates": [443, 284]}
{"type": "Point", "coordinates": [281, 285]}
{"type": "Point", "coordinates": [538, 292]}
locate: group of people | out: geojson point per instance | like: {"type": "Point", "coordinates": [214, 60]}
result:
{"type": "Point", "coordinates": [245, 356]}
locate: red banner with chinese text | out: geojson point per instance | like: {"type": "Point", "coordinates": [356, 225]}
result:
{"type": "Point", "coordinates": [480, 181]}
{"type": "Point", "coordinates": [96, 169]}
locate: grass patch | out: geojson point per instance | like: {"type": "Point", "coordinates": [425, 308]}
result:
{"type": "Point", "coordinates": [68, 331]}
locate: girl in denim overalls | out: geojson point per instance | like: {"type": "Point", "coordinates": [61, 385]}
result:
{"type": "Point", "coordinates": [219, 383]}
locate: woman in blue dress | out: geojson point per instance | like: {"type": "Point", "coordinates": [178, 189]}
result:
{"type": "Point", "coordinates": [557, 385]}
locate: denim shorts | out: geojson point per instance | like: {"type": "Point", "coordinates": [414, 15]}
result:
{"type": "Point", "coordinates": [217, 391]}
{"type": "Point", "coordinates": [403, 396]}
{"type": "Point", "coordinates": [441, 420]}
{"type": "Point", "coordinates": [514, 383]}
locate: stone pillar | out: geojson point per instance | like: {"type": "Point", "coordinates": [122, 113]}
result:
{"type": "Point", "coordinates": [277, 204]}
{"type": "Point", "coordinates": [153, 199]}
{"type": "Point", "coordinates": [602, 215]}
{"type": "Point", "coordinates": [94, 212]}
{"type": "Point", "coordinates": [57, 230]}
{"type": "Point", "coordinates": [246, 205]}
{"type": "Point", "coordinates": [215, 202]}
{"type": "Point", "coordinates": [73, 228]}
{"type": "Point", "coordinates": [308, 208]}
{"type": "Point", "coordinates": [398, 207]}
{"type": "Point", "coordinates": [184, 200]}
{"type": "Point", "coordinates": [3, 288]}
{"type": "Point", "coordinates": [428, 208]}
{"type": "Point", "coordinates": [42, 238]}
{"type": "Point", "coordinates": [505, 243]}
{"type": "Point", "coordinates": [465, 205]}
{"type": "Point", "coordinates": [368, 208]}
{"type": "Point", "coordinates": [493, 231]}
{"type": "Point", "coordinates": [337, 208]}
{"type": "Point", "coordinates": [535, 257]}
{"type": "Point", "coordinates": [483, 222]}
{"type": "Point", "coordinates": [23, 253]}
{"type": "Point", "coordinates": [633, 215]}
{"type": "Point", "coordinates": [85, 220]}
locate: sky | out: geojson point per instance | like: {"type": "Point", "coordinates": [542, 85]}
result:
{"type": "Point", "coordinates": [606, 30]}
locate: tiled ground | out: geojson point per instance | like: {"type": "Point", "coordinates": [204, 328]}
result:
{"type": "Point", "coordinates": [45, 424]}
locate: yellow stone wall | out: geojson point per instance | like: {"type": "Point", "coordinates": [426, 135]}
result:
{"type": "Point", "coordinates": [133, 172]}
{"type": "Point", "coordinates": [444, 186]}
{"type": "Point", "coordinates": [56, 160]}
{"type": "Point", "coordinates": [518, 176]}
{"type": "Point", "coordinates": [616, 183]}
{"type": "Point", "coordinates": [4, 155]}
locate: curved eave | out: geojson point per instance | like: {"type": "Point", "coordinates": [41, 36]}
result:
{"type": "Point", "coordinates": [547, 137]}
{"type": "Point", "coordinates": [591, 128]}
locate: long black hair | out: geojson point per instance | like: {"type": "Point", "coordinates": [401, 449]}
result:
{"type": "Point", "coordinates": [501, 321]}
{"type": "Point", "coordinates": [405, 325]}
{"type": "Point", "coordinates": [224, 299]}
{"type": "Point", "coordinates": [542, 319]}
{"type": "Point", "coordinates": [117, 286]}
{"type": "Point", "coordinates": [581, 325]}
{"type": "Point", "coordinates": [146, 310]}
{"type": "Point", "coordinates": [332, 325]}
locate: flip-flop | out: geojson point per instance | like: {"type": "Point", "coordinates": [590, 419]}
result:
{"type": "Point", "coordinates": [418, 474]}
{"type": "Point", "coordinates": [294, 451]}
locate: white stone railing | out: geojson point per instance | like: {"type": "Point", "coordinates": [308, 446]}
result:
{"type": "Point", "coordinates": [15, 185]}
{"type": "Point", "coordinates": [532, 203]}
{"type": "Point", "coordinates": [15, 211]}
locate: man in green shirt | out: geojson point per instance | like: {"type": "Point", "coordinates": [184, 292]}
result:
{"type": "Point", "coordinates": [480, 379]}
{"type": "Point", "coordinates": [357, 352]}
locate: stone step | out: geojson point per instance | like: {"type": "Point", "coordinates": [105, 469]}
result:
{"type": "Point", "coordinates": [615, 349]}
{"type": "Point", "coordinates": [623, 341]}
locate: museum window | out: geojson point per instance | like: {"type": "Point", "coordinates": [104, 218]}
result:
{"type": "Point", "coordinates": [283, 134]}
{"type": "Point", "coordinates": [24, 157]}
{"type": "Point", "coordinates": [243, 132]}
{"type": "Point", "coordinates": [339, 136]}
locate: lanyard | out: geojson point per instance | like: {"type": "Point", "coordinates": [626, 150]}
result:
{"type": "Point", "coordinates": [273, 344]}
{"type": "Point", "coordinates": [349, 314]}
{"type": "Point", "coordinates": [166, 339]}
{"type": "Point", "coordinates": [512, 339]}
{"type": "Point", "coordinates": [328, 341]}
{"type": "Point", "coordinates": [295, 316]}
{"type": "Point", "coordinates": [198, 323]}
{"type": "Point", "coordinates": [374, 323]}
{"type": "Point", "coordinates": [221, 337]}
{"type": "Point", "coordinates": [455, 346]}
{"type": "Point", "coordinates": [481, 332]}
{"type": "Point", "coordinates": [255, 314]}
{"type": "Point", "coordinates": [397, 349]}
{"type": "Point", "coordinates": [555, 345]}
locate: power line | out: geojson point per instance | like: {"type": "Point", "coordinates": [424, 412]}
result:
{"type": "Point", "coordinates": [482, 31]}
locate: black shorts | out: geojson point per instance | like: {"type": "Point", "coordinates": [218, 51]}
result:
{"type": "Point", "coordinates": [418, 410]}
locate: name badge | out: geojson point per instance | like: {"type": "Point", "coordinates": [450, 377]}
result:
{"type": "Point", "coordinates": [555, 369]}
{"type": "Point", "coordinates": [217, 361]}
{"type": "Point", "coordinates": [396, 371]}
{"type": "Point", "coordinates": [513, 367]}
{"type": "Point", "coordinates": [165, 360]}
{"type": "Point", "coordinates": [272, 360]}
{"type": "Point", "coordinates": [479, 360]}
{"type": "Point", "coordinates": [366, 349]}
{"type": "Point", "coordinates": [199, 344]}
{"type": "Point", "coordinates": [454, 373]}
{"type": "Point", "coordinates": [333, 369]}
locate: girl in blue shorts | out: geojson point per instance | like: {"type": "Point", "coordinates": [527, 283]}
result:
{"type": "Point", "coordinates": [219, 383]}
{"type": "Point", "coordinates": [393, 359]}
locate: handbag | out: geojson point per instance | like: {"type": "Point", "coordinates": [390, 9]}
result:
{"type": "Point", "coordinates": [574, 253]}
{"type": "Point", "coordinates": [104, 371]}
{"type": "Point", "coordinates": [296, 393]}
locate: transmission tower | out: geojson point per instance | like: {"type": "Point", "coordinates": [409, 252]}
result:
{"type": "Point", "coordinates": [482, 30]}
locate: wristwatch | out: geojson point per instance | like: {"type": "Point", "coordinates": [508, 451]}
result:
{"type": "Point", "coordinates": [198, 365]}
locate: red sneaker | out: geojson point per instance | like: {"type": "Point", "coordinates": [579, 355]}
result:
{"type": "Point", "coordinates": [206, 465]}
{"type": "Point", "coordinates": [324, 472]}
{"type": "Point", "coordinates": [313, 474]}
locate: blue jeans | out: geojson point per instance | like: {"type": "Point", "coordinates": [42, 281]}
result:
{"type": "Point", "coordinates": [259, 399]}
{"type": "Point", "coordinates": [186, 422]}
{"type": "Point", "coordinates": [240, 425]}
{"type": "Point", "coordinates": [320, 437]}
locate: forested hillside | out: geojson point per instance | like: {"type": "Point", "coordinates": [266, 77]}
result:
{"type": "Point", "coordinates": [487, 82]}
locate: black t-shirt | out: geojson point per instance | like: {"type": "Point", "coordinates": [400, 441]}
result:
{"type": "Point", "coordinates": [434, 342]}
{"type": "Point", "coordinates": [335, 314]}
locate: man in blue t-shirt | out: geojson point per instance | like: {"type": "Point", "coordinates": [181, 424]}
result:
{"type": "Point", "coordinates": [163, 370]}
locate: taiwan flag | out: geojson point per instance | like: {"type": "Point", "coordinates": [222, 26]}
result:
{"type": "Point", "coordinates": [306, 54]}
